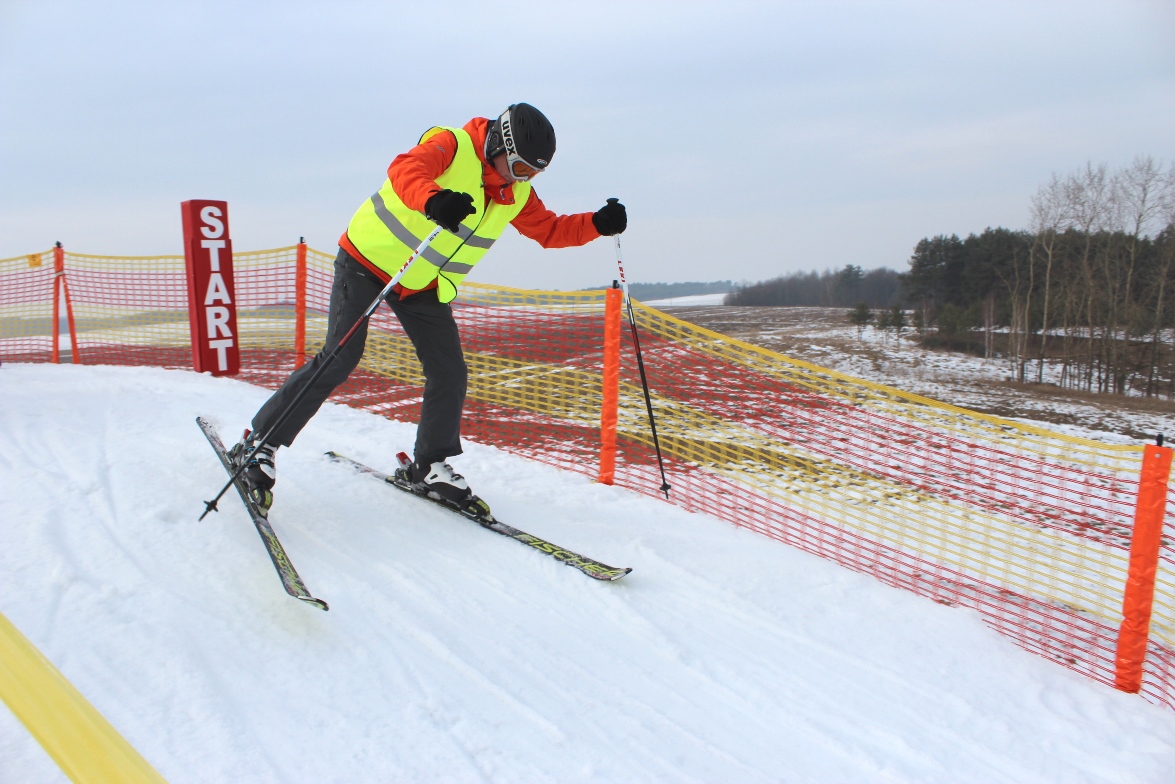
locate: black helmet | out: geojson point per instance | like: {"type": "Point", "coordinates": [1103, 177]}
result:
{"type": "Point", "coordinates": [526, 136]}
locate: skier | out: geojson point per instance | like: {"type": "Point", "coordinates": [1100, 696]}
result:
{"type": "Point", "coordinates": [437, 181]}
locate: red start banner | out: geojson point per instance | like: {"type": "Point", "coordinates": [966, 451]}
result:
{"type": "Point", "coordinates": [212, 311]}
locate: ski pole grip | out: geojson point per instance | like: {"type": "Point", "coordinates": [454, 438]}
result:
{"type": "Point", "coordinates": [613, 200]}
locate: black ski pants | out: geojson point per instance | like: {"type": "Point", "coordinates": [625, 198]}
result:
{"type": "Point", "coordinates": [430, 326]}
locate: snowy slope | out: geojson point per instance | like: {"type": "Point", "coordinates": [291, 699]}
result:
{"type": "Point", "coordinates": [692, 300]}
{"type": "Point", "coordinates": [451, 654]}
{"type": "Point", "coordinates": [824, 337]}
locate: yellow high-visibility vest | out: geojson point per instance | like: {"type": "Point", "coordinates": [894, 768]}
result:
{"type": "Point", "coordinates": [386, 231]}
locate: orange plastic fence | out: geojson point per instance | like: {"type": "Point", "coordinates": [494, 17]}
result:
{"type": "Point", "coordinates": [28, 308]}
{"type": "Point", "coordinates": [1030, 527]}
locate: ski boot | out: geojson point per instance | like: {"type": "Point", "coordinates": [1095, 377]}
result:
{"type": "Point", "coordinates": [261, 473]}
{"type": "Point", "coordinates": [439, 482]}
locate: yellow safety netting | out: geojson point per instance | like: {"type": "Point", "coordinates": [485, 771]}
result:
{"type": "Point", "coordinates": [1027, 525]}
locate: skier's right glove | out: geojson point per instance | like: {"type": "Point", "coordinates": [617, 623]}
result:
{"type": "Point", "coordinates": [448, 208]}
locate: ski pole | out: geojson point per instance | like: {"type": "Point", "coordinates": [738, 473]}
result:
{"type": "Point", "coordinates": [210, 506]}
{"type": "Point", "coordinates": [640, 363]}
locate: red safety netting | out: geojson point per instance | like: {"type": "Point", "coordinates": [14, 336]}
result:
{"type": "Point", "coordinates": [1030, 527]}
{"type": "Point", "coordinates": [27, 333]}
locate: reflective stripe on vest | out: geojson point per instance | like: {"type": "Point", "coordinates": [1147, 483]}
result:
{"type": "Point", "coordinates": [386, 231]}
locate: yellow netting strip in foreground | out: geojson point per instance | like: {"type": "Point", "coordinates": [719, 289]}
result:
{"type": "Point", "coordinates": [83, 744]}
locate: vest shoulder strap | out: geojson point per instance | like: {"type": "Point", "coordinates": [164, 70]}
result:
{"type": "Point", "coordinates": [461, 135]}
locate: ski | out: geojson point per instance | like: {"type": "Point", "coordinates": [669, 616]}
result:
{"type": "Point", "coordinates": [285, 570]}
{"type": "Point", "coordinates": [593, 569]}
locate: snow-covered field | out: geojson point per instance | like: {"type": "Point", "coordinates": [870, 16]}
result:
{"type": "Point", "coordinates": [692, 300]}
{"type": "Point", "coordinates": [823, 336]}
{"type": "Point", "coordinates": [452, 655]}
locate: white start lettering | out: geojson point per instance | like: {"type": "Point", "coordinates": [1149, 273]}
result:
{"type": "Point", "coordinates": [217, 320]}
{"type": "Point", "coordinates": [221, 347]}
{"type": "Point", "coordinates": [217, 300]}
{"type": "Point", "coordinates": [213, 225]}
{"type": "Point", "coordinates": [214, 247]}
{"type": "Point", "coordinates": [217, 290]}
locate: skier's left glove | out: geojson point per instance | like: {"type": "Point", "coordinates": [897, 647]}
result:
{"type": "Point", "coordinates": [611, 218]}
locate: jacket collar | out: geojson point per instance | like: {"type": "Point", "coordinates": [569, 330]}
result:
{"type": "Point", "coordinates": [495, 186]}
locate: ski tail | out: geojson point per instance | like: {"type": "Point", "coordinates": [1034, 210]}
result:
{"type": "Point", "coordinates": [592, 568]}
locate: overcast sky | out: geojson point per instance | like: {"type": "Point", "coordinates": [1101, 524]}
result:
{"type": "Point", "coordinates": [746, 139]}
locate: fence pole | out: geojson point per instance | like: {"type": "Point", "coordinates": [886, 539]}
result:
{"type": "Point", "coordinates": [61, 291]}
{"type": "Point", "coordinates": [58, 273]}
{"type": "Point", "coordinates": [1144, 561]}
{"type": "Point", "coordinates": [300, 305]}
{"type": "Point", "coordinates": [609, 408]}
{"type": "Point", "coordinates": [73, 329]}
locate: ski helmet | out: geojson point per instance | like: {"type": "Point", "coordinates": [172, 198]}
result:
{"type": "Point", "coordinates": [526, 136]}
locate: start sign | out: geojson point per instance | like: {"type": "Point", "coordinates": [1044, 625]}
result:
{"type": "Point", "coordinates": [212, 311]}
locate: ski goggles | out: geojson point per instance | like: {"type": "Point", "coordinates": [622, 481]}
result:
{"type": "Point", "coordinates": [519, 169]}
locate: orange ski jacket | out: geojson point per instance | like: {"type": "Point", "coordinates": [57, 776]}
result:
{"type": "Point", "coordinates": [413, 176]}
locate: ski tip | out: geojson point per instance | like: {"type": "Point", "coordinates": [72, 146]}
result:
{"type": "Point", "coordinates": [319, 603]}
{"type": "Point", "coordinates": [609, 575]}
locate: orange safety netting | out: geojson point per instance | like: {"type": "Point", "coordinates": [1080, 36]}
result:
{"type": "Point", "coordinates": [26, 308]}
{"type": "Point", "coordinates": [1030, 527]}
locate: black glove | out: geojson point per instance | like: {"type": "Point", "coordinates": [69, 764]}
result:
{"type": "Point", "coordinates": [448, 208]}
{"type": "Point", "coordinates": [611, 218]}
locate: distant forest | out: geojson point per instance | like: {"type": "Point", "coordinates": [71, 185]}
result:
{"type": "Point", "coordinates": [1088, 287]}
{"type": "Point", "coordinates": [647, 292]}
{"type": "Point", "coordinates": [878, 288]}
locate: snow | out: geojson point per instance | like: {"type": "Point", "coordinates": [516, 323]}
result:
{"type": "Point", "coordinates": [824, 337]}
{"type": "Point", "coordinates": [690, 300]}
{"type": "Point", "coordinates": [452, 654]}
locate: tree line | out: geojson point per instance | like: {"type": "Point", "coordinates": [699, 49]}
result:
{"type": "Point", "coordinates": [847, 287]}
{"type": "Point", "coordinates": [647, 292]}
{"type": "Point", "coordinates": [1086, 289]}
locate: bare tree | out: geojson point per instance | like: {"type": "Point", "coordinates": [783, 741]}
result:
{"type": "Point", "coordinates": [1088, 210]}
{"type": "Point", "coordinates": [1139, 200]}
{"type": "Point", "coordinates": [1095, 275]}
{"type": "Point", "coordinates": [1048, 218]}
{"type": "Point", "coordinates": [1165, 210]}
{"type": "Point", "coordinates": [1019, 323]}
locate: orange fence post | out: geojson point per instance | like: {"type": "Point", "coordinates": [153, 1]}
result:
{"type": "Point", "coordinates": [1144, 562]}
{"type": "Point", "coordinates": [300, 305]}
{"type": "Point", "coordinates": [60, 290]}
{"type": "Point", "coordinates": [611, 386]}
{"type": "Point", "coordinates": [73, 330]}
{"type": "Point", "coordinates": [58, 277]}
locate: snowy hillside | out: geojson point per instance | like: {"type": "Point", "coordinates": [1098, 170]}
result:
{"type": "Point", "coordinates": [451, 654]}
{"type": "Point", "coordinates": [824, 337]}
